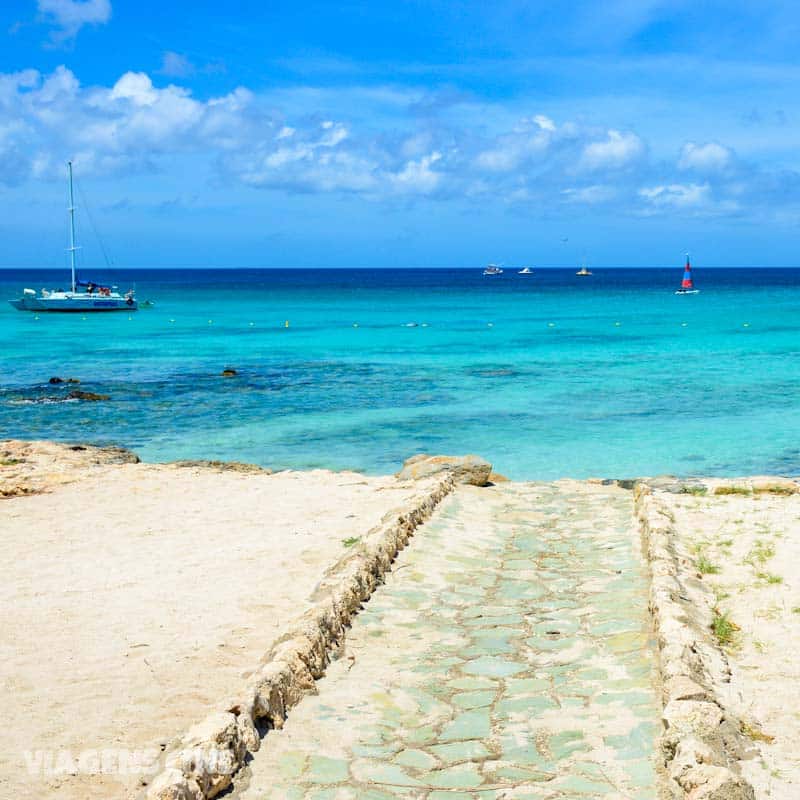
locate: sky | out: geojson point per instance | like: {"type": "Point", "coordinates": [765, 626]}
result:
{"type": "Point", "coordinates": [401, 134]}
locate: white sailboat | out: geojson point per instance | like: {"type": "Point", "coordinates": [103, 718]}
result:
{"type": "Point", "coordinates": [82, 297]}
{"type": "Point", "coordinates": [525, 271]}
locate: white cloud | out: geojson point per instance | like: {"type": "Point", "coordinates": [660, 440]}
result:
{"type": "Point", "coordinates": [417, 176]}
{"type": "Point", "coordinates": [591, 195]}
{"type": "Point", "coordinates": [69, 16]}
{"type": "Point", "coordinates": [271, 141]}
{"type": "Point", "coordinates": [677, 195]}
{"type": "Point", "coordinates": [618, 149]}
{"type": "Point", "coordinates": [530, 138]}
{"type": "Point", "coordinates": [175, 65]}
{"type": "Point", "coordinates": [709, 157]}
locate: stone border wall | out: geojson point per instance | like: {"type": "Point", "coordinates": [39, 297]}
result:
{"type": "Point", "coordinates": [702, 742]}
{"type": "Point", "coordinates": [211, 752]}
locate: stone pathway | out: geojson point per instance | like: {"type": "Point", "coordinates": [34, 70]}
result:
{"type": "Point", "coordinates": [507, 656]}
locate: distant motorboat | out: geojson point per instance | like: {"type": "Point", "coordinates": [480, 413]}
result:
{"type": "Point", "coordinates": [583, 272]}
{"type": "Point", "coordinates": [83, 296]}
{"type": "Point", "coordinates": [493, 269]}
{"type": "Point", "coordinates": [687, 284]}
{"type": "Point", "coordinates": [525, 271]}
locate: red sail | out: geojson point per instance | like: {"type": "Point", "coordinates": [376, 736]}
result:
{"type": "Point", "coordinates": [686, 283]}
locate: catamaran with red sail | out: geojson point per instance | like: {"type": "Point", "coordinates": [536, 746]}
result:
{"type": "Point", "coordinates": [687, 284]}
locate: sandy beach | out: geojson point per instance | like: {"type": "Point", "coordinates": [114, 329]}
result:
{"type": "Point", "coordinates": [743, 543]}
{"type": "Point", "coordinates": [137, 597]}
{"type": "Point", "coordinates": [142, 602]}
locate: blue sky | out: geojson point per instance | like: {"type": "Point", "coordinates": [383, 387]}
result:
{"type": "Point", "coordinates": [408, 133]}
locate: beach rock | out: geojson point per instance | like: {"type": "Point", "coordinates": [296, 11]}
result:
{"type": "Point", "coordinates": [496, 477]}
{"type": "Point", "coordinates": [173, 785]}
{"type": "Point", "coordinates": [222, 466]}
{"type": "Point", "coordinates": [211, 752]}
{"type": "Point", "coordinates": [55, 379]}
{"type": "Point", "coordinates": [711, 782]}
{"type": "Point", "coordinates": [774, 485]}
{"type": "Point", "coordinates": [78, 394]}
{"type": "Point", "coordinates": [468, 469]}
{"type": "Point", "coordinates": [229, 372]}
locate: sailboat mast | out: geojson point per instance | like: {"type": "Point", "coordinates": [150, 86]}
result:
{"type": "Point", "coordinates": [72, 247]}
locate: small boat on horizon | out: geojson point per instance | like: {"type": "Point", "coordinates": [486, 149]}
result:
{"type": "Point", "coordinates": [687, 284]}
{"type": "Point", "coordinates": [583, 272]}
{"type": "Point", "coordinates": [83, 296]}
{"type": "Point", "coordinates": [493, 269]}
{"type": "Point", "coordinates": [525, 271]}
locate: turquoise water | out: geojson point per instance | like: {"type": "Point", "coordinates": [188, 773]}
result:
{"type": "Point", "coordinates": [546, 375]}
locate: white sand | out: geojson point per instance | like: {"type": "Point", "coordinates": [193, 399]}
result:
{"type": "Point", "coordinates": [135, 600]}
{"type": "Point", "coordinates": [754, 541]}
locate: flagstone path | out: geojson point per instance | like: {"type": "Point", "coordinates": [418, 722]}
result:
{"type": "Point", "coordinates": [508, 655]}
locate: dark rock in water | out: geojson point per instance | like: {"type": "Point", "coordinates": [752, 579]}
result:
{"type": "Point", "coordinates": [77, 394]}
{"type": "Point", "coordinates": [56, 379]}
{"type": "Point", "coordinates": [118, 455]}
{"type": "Point", "coordinates": [112, 454]}
{"type": "Point", "coordinates": [223, 466]}
{"type": "Point", "coordinates": [229, 372]}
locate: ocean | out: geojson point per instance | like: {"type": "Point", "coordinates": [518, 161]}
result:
{"type": "Point", "coordinates": [547, 375]}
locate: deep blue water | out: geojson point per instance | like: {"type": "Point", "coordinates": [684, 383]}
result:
{"type": "Point", "coordinates": [546, 375]}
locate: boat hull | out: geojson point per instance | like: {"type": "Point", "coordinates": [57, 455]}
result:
{"type": "Point", "coordinates": [75, 305]}
{"type": "Point", "coordinates": [687, 291]}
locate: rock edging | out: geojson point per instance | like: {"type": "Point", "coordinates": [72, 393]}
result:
{"type": "Point", "coordinates": [211, 752]}
{"type": "Point", "coordinates": [702, 742]}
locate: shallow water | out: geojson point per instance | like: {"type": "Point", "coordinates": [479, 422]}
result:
{"type": "Point", "coordinates": [547, 375]}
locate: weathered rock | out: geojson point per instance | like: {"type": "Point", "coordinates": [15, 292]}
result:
{"type": "Point", "coordinates": [222, 466]}
{"type": "Point", "coordinates": [79, 394]}
{"type": "Point", "coordinates": [229, 372]}
{"type": "Point", "coordinates": [469, 469]}
{"type": "Point", "coordinates": [56, 380]}
{"type": "Point", "coordinates": [681, 687]}
{"type": "Point", "coordinates": [210, 753]}
{"type": "Point", "coordinates": [496, 477]}
{"type": "Point", "coordinates": [172, 784]}
{"type": "Point", "coordinates": [775, 485]}
{"type": "Point", "coordinates": [710, 782]}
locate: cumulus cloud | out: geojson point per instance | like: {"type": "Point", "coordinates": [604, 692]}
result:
{"type": "Point", "coordinates": [709, 157]}
{"type": "Point", "coordinates": [618, 149]}
{"type": "Point", "coordinates": [678, 195]}
{"type": "Point", "coordinates": [139, 124]}
{"type": "Point", "coordinates": [529, 138]}
{"type": "Point", "coordinates": [69, 16]}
